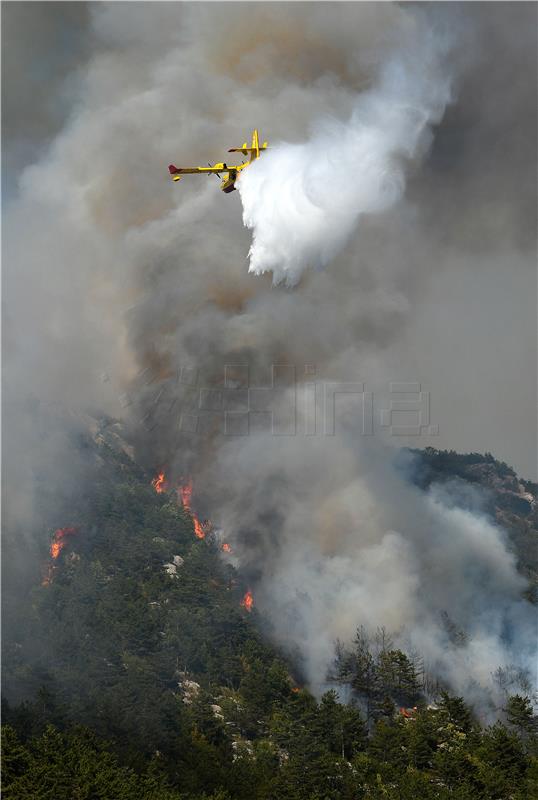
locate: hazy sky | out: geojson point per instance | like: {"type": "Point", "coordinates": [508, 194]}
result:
{"type": "Point", "coordinates": [469, 335]}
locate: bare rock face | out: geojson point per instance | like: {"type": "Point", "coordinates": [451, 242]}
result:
{"type": "Point", "coordinates": [189, 689]}
{"type": "Point", "coordinates": [172, 567]}
{"type": "Point", "coordinates": [171, 570]}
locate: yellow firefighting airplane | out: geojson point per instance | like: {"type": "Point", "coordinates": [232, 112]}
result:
{"type": "Point", "coordinates": [230, 174]}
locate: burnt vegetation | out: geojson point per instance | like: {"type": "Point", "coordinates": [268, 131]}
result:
{"type": "Point", "coordinates": [128, 679]}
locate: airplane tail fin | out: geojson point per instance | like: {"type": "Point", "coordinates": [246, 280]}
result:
{"type": "Point", "coordinates": [173, 170]}
{"type": "Point", "coordinates": [256, 143]}
{"type": "Point", "coordinates": [253, 150]}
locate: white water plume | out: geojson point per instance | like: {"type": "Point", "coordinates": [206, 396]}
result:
{"type": "Point", "coordinates": [303, 201]}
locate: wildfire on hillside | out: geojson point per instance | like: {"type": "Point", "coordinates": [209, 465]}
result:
{"type": "Point", "coordinates": [59, 540]}
{"type": "Point", "coordinates": [408, 713]}
{"type": "Point", "coordinates": [185, 494]}
{"type": "Point", "coordinates": [57, 544]}
{"type": "Point", "coordinates": [248, 601]}
{"type": "Point", "coordinates": [159, 483]}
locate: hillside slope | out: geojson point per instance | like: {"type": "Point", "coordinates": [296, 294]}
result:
{"type": "Point", "coordinates": [137, 631]}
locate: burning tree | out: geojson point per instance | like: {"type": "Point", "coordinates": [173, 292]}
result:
{"type": "Point", "coordinates": [59, 540]}
{"type": "Point", "coordinates": [159, 483]}
{"type": "Point", "coordinates": [185, 494]}
{"type": "Point", "coordinates": [248, 601]}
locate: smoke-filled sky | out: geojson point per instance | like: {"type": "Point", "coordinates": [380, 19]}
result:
{"type": "Point", "coordinates": [390, 235]}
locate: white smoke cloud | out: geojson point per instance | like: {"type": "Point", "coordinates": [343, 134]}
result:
{"type": "Point", "coordinates": [303, 201]}
{"type": "Point", "coordinates": [378, 553]}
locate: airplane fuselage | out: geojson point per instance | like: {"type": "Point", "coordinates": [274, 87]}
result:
{"type": "Point", "coordinates": [228, 182]}
{"type": "Point", "coordinates": [229, 174]}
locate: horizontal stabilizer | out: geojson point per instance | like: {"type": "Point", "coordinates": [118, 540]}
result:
{"type": "Point", "coordinates": [246, 150]}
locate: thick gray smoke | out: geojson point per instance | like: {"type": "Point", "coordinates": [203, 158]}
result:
{"type": "Point", "coordinates": [129, 294]}
{"type": "Point", "coordinates": [302, 201]}
{"type": "Point", "coordinates": [378, 553]}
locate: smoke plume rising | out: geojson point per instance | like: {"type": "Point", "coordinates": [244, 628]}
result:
{"type": "Point", "coordinates": [127, 294]}
{"type": "Point", "coordinates": [377, 553]}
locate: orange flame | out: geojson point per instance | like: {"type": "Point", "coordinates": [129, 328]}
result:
{"type": "Point", "coordinates": [159, 483]}
{"type": "Point", "coordinates": [185, 493]}
{"type": "Point", "coordinates": [408, 713]}
{"type": "Point", "coordinates": [59, 540]}
{"type": "Point", "coordinates": [248, 601]}
{"type": "Point", "coordinates": [226, 547]}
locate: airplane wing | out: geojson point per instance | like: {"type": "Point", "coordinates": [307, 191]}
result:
{"type": "Point", "coordinates": [173, 170]}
